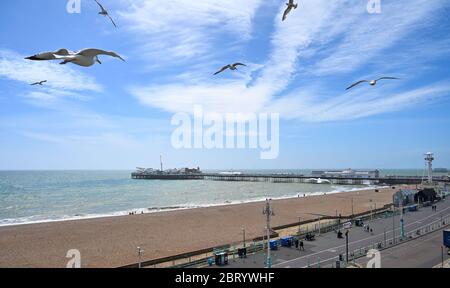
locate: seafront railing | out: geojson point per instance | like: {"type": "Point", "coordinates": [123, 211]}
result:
{"type": "Point", "coordinates": [387, 243]}
{"type": "Point", "coordinates": [314, 226]}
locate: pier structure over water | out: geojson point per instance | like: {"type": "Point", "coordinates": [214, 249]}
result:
{"type": "Point", "coordinates": [289, 178]}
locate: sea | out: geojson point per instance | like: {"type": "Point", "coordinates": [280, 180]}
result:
{"type": "Point", "coordinates": [45, 196]}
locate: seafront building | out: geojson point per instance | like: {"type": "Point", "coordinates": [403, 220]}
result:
{"type": "Point", "coordinates": [349, 173]}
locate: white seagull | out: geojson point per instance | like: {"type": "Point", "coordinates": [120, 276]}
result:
{"type": "Point", "coordinates": [85, 57]}
{"type": "Point", "coordinates": [290, 6]}
{"type": "Point", "coordinates": [230, 66]}
{"type": "Point", "coordinates": [105, 13]}
{"type": "Point", "coordinates": [371, 82]}
{"type": "Point", "coordinates": [39, 83]}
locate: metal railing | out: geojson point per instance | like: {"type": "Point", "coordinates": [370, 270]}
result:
{"type": "Point", "coordinates": [386, 244]}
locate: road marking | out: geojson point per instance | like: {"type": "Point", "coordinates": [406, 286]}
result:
{"type": "Point", "coordinates": [387, 250]}
{"type": "Point", "coordinates": [378, 235]}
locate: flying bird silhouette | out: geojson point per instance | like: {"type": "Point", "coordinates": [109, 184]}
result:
{"type": "Point", "coordinates": [371, 82]}
{"type": "Point", "coordinates": [39, 83]}
{"type": "Point", "coordinates": [289, 8]}
{"type": "Point", "coordinates": [105, 13]}
{"type": "Point", "coordinates": [85, 57]}
{"type": "Point", "coordinates": [229, 66]}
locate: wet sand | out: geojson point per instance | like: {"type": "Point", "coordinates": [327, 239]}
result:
{"type": "Point", "coordinates": [112, 242]}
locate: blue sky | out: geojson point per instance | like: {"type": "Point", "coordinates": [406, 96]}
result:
{"type": "Point", "coordinates": [118, 115]}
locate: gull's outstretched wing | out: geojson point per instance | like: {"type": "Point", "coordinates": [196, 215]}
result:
{"type": "Point", "coordinates": [38, 83]}
{"type": "Point", "coordinates": [101, 7]}
{"type": "Point", "coordinates": [92, 52]}
{"type": "Point", "coordinates": [286, 12]}
{"type": "Point", "coordinates": [388, 78]}
{"type": "Point", "coordinates": [239, 64]}
{"type": "Point", "coordinates": [356, 84]}
{"type": "Point", "coordinates": [110, 18]}
{"type": "Point", "coordinates": [223, 69]}
{"type": "Point", "coordinates": [49, 55]}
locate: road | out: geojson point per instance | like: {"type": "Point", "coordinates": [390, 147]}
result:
{"type": "Point", "coordinates": [326, 249]}
{"type": "Point", "coordinates": [424, 252]}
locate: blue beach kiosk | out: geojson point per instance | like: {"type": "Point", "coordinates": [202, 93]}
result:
{"type": "Point", "coordinates": [273, 245]}
{"type": "Point", "coordinates": [287, 241]}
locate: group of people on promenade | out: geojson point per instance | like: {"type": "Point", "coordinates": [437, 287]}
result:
{"type": "Point", "coordinates": [299, 245]}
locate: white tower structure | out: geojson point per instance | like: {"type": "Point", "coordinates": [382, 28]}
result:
{"type": "Point", "coordinates": [429, 157]}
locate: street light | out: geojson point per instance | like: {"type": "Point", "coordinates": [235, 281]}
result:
{"type": "Point", "coordinates": [243, 232]}
{"type": "Point", "coordinates": [140, 252]}
{"type": "Point", "coordinates": [353, 212]}
{"type": "Point", "coordinates": [269, 213]}
{"type": "Point", "coordinates": [393, 224]}
{"type": "Point", "coordinates": [346, 246]}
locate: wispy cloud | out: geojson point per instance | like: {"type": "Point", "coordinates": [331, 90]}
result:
{"type": "Point", "coordinates": [315, 41]}
{"type": "Point", "coordinates": [61, 78]}
{"type": "Point", "coordinates": [310, 104]}
{"type": "Point", "coordinates": [371, 34]}
{"type": "Point", "coordinates": [63, 83]}
{"type": "Point", "coordinates": [180, 30]}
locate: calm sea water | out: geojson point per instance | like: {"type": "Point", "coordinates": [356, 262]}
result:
{"type": "Point", "coordinates": [40, 196]}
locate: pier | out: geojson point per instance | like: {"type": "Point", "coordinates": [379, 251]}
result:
{"type": "Point", "coordinates": [289, 178]}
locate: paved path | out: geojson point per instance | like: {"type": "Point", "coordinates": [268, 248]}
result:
{"type": "Point", "coordinates": [327, 248]}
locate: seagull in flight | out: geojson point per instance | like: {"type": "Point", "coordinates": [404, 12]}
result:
{"type": "Point", "coordinates": [289, 8]}
{"type": "Point", "coordinates": [229, 66]}
{"type": "Point", "coordinates": [85, 57]}
{"type": "Point", "coordinates": [371, 82]}
{"type": "Point", "coordinates": [105, 13]}
{"type": "Point", "coordinates": [39, 83]}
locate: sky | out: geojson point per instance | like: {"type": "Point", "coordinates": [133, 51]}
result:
{"type": "Point", "coordinates": [118, 115]}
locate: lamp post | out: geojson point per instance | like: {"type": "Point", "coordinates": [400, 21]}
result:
{"type": "Point", "coordinates": [269, 213]}
{"type": "Point", "coordinates": [371, 210]}
{"type": "Point", "coordinates": [140, 252]}
{"type": "Point", "coordinates": [353, 212]}
{"type": "Point", "coordinates": [393, 224]}
{"type": "Point", "coordinates": [346, 246]}
{"type": "Point", "coordinates": [243, 232]}
{"type": "Point", "coordinates": [254, 251]}
{"type": "Point", "coordinates": [402, 223]}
